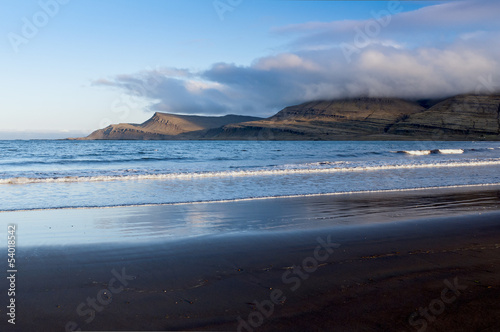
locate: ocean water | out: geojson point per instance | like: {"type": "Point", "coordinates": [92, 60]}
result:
{"type": "Point", "coordinates": [69, 174]}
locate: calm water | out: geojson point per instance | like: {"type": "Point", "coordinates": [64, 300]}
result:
{"type": "Point", "coordinates": [57, 174]}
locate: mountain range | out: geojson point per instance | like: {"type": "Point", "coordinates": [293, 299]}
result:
{"type": "Point", "coordinates": [164, 126]}
{"type": "Point", "coordinates": [461, 117]}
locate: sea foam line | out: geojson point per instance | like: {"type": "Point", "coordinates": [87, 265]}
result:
{"type": "Point", "coordinates": [222, 174]}
{"type": "Point", "coordinates": [435, 151]}
{"type": "Point", "coordinates": [340, 193]}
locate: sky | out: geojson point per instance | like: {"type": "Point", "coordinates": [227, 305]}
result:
{"type": "Point", "coordinates": [68, 67]}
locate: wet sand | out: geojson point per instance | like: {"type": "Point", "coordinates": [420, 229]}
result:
{"type": "Point", "coordinates": [426, 260]}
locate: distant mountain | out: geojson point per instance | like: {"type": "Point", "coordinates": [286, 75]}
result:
{"type": "Point", "coordinates": [345, 119]}
{"type": "Point", "coordinates": [462, 117]}
{"type": "Point", "coordinates": [164, 126]}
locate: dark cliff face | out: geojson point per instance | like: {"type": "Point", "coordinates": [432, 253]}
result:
{"type": "Point", "coordinates": [467, 117]}
{"type": "Point", "coordinates": [462, 117]}
{"type": "Point", "coordinates": [338, 119]}
{"type": "Point", "coordinates": [356, 109]}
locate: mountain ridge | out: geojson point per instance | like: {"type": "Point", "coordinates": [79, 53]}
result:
{"type": "Point", "coordinates": [460, 117]}
{"type": "Point", "coordinates": [164, 126]}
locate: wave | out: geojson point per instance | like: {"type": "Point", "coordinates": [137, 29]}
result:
{"type": "Point", "coordinates": [147, 157]}
{"type": "Point", "coordinates": [339, 193]}
{"type": "Point", "coordinates": [416, 152]}
{"type": "Point", "coordinates": [435, 151]}
{"type": "Point", "coordinates": [243, 173]}
{"type": "Point", "coordinates": [67, 161]}
{"type": "Point", "coordinates": [450, 151]}
{"type": "Point", "coordinates": [360, 154]}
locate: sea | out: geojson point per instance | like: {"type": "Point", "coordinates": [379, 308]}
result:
{"type": "Point", "coordinates": [59, 174]}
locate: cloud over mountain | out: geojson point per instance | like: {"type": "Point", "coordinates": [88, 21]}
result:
{"type": "Point", "coordinates": [437, 51]}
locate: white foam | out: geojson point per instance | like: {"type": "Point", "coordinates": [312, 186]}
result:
{"type": "Point", "coordinates": [418, 152]}
{"type": "Point", "coordinates": [427, 152]}
{"type": "Point", "coordinates": [226, 174]}
{"type": "Point", "coordinates": [451, 151]}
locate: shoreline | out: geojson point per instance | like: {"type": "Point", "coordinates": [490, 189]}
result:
{"type": "Point", "coordinates": [471, 187]}
{"type": "Point", "coordinates": [171, 222]}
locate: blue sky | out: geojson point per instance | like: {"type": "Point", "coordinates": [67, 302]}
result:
{"type": "Point", "coordinates": [71, 66]}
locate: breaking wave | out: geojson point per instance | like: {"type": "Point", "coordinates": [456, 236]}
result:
{"type": "Point", "coordinates": [315, 168]}
{"type": "Point", "coordinates": [435, 151]}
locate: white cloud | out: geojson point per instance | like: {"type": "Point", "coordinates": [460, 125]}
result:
{"type": "Point", "coordinates": [316, 68]}
{"type": "Point", "coordinates": [198, 87]}
{"type": "Point", "coordinates": [284, 62]}
{"type": "Point", "coordinates": [399, 27]}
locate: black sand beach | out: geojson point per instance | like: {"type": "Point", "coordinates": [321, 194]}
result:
{"type": "Point", "coordinates": [424, 260]}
